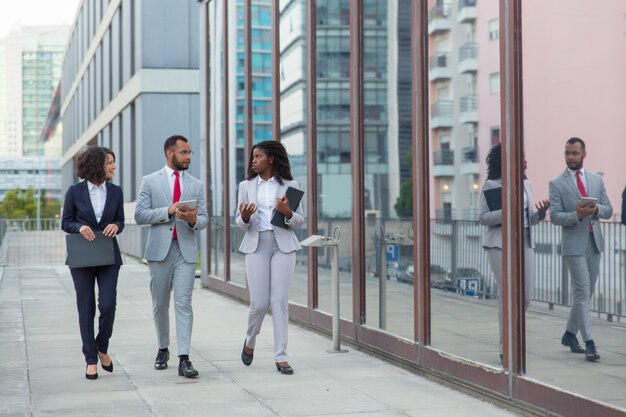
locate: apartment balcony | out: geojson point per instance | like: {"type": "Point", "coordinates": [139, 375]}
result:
{"type": "Point", "coordinates": [468, 109]}
{"type": "Point", "coordinates": [443, 163]}
{"type": "Point", "coordinates": [441, 114]}
{"type": "Point", "coordinates": [469, 161]}
{"type": "Point", "coordinates": [439, 67]}
{"type": "Point", "coordinates": [468, 58]}
{"type": "Point", "coordinates": [439, 19]}
{"type": "Point", "coordinates": [467, 11]}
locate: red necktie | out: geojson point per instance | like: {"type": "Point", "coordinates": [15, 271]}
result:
{"type": "Point", "coordinates": [176, 199]}
{"type": "Point", "coordinates": [581, 189]}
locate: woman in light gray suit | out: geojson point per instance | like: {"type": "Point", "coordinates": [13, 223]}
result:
{"type": "Point", "coordinates": [492, 240]}
{"type": "Point", "coordinates": [270, 250]}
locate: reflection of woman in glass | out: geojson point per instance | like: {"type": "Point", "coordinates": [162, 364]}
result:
{"type": "Point", "coordinates": [95, 205]}
{"type": "Point", "coordinates": [492, 240]}
{"type": "Point", "coordinates": [270, 250]}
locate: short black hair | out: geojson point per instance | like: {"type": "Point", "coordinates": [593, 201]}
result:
{"type": "Point", "coordinates": [90, 164]}
{"type": "Point", "coordinates": [171, 142]}
{"type": "Point", "coordinates": [572, 141]}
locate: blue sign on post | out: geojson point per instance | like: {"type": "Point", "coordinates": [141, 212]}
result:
{"type": "Point", "coordinates": [393, 253]}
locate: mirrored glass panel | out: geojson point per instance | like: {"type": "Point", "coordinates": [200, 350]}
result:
{"type": "Point", "coordinates": [464, 124]}
{"type": "Point", "coordinates": [574, 86]}
{"type": "Point", "coordinates": [333, 147]}
{"type": "Point", "coordinates": [388, 142]}
{"type": "Point", "coordinates": [293, 119]}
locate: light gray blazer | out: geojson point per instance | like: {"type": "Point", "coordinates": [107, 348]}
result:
{"type": "Point", "coordinates": [564, 196]}
{"type": "Point", "coordinates": [285, 238]}
{"type": "Point", "coordinates": [152, 203]}
{"type": "Point", "coordinates": [493, 219]}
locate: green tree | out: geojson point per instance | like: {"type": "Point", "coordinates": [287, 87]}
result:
{"type": "Point", "coordinates": [404, 203]}
{"type": "Point", "coordinates": [22, 204]}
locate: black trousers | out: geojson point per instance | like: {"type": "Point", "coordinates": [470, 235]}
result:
{"type": "Point", "coordinates": [84, 283]}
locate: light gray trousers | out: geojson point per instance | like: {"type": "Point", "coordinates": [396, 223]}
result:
{"type": "Point", "coordinates": [270, 273]}
{"type": "Point", "coordinates": [494, 255]}
{"type": "Point", "coordinates": [584, 273]}
{"type": "Point", "coordinates": [172, 273]}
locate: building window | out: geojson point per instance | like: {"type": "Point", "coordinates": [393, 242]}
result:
{"type": "Point", "coordinates": [494, 83]}
{"type": "Point", "coordinates": [495, 135]}
{"type": "Point", "coordinates": [494, 29]}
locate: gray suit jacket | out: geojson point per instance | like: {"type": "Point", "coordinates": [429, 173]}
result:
{"type": "Point", "coordinates": [564, 196]}
{"type": "Point", "coordinates": [285, 238]}
{"type": "Point", "coordinates": [493, 219]}
{"type": "Point", "coordinates": [152, 203]}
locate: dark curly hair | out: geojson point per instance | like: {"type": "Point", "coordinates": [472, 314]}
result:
{"type": "Point", "coordinates": [280, 166]}
{"type": "Point", "coordinates": [90, 164]}
{"type": "Point", "coordinates": [494, 162]}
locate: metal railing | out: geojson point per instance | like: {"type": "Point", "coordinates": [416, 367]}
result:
{"type": "Point", "coordinates": [470, 154]}
{"type": "Point", "coordinates": [441, 108]}
{"type": "Point", "coordinates": [466, 3]}
{"type": "Point", "coordinates": [467, 51]}
{"type": "Point", "coordinates": [468, 102]}
{"type": "Point", "coordinates": [443, 157]}
{"type": "Point", "coordinates": [439, 12]}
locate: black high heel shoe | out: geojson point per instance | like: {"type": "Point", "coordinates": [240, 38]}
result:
{"type": "Point", "coordinates": [284, 369]}
{"type": "Point", "coordinates": [245, 358]}
{"type": "Point", "coordinates": [109, 367]}
{"type": "Point", "coordinates": [90, 376]}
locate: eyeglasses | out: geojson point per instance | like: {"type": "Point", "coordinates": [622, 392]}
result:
{"type": "Point", "coordinates": [185, 153]}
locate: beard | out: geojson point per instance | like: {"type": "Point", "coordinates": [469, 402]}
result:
{"type": "Point", "coordinates": [575, 166]}
{"type": "Point", "coordinates": [179, 165]}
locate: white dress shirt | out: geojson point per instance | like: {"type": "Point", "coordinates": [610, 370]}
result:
{"type": "Point", "coordinates": [171, 178]}
{"type": "Point", "coordinates": [526, 211]}
{"type": "Point", "coordinates": [98, 196]}
{"type": "Point", "coordinates": [266, 201]}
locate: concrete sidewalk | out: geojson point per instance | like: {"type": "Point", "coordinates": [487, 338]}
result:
{"type": "Point", "coordinates": [42, 367]}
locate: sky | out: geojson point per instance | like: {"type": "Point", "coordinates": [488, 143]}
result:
{"type": "Point", "coordinates": [36, 12]}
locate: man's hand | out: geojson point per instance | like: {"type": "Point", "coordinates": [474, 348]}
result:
{"type": "Point", "coordinates": [585, 211]}
{"type": "Point", "coordinates": [247, 210]}
{"type": "Point", "coordinates": [282, 206]}
{"type": "Point", "coordinates": [186, 214]}
{"type": "Point", "coordinates": [171, 210]}
{"type": "Point", "coordinates": [111, 230]}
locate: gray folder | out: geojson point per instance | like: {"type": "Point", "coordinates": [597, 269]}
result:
{"type": "Point", "coordinates": [82, 253]}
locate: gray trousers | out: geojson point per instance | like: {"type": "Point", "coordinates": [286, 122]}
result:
{"type": "Point", "coordinates": [584, 273]}
{"type": "Point", "coordinates": [494, 255]}
{"type": "Point", "coordinates": [270, 273]}
{"type": "Point", "coordinates": [172, 273]}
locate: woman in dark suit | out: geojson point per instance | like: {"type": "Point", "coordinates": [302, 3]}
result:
{"type": "Point", "coordinates": [270, 250]}
{"type": "Point", "coordinates": [95, 205]}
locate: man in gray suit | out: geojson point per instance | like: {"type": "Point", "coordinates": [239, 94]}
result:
{"type": "Point", "coordinates": [171, 250]}
{"type": "Point", "coordinates": [582, 240]}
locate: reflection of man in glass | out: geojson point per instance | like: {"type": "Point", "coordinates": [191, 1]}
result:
{"type": "Point", "coordinates": [578, 201]}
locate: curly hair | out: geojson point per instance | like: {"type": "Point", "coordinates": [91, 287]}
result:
{"type": "Point", "coordinates": [90, 164]}
{"type": "Point", "coordinates": [280, 166]}
{"type": "Point", "coordinates": [494, 162]}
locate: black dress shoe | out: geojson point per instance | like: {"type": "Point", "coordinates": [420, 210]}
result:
{"type": "Point", "coordinates": [572, 343]}
{"type": "Point", "coordinates": [245, 358]}
{"type": "Point", "coordinates": [90, 376]}
{"type": "Point", "coordinates": [162, 357]}
{"type": "Point", "coordinates": [591, 354]}
{"type": "Point", "coordinates": [109, 367]}
{"type": "Point", "coordinates": [285, 370]}
{"type": "Point", "coordinates": [186, 369]}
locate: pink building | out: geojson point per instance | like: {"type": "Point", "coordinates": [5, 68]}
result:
{"type": "Point", "coordinates": [575, 85]}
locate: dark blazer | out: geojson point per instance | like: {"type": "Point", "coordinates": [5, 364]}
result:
{"type": "Point", "coordinates": [78, 212]}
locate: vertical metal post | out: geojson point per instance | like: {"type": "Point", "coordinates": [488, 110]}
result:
{"type": "Point", "coordinates": [334, 270]}
{"type": "Point", "coordinates": [382, 285]}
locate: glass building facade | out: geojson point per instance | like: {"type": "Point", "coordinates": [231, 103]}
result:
{"type": "Point", "coordinates": [387, 110]}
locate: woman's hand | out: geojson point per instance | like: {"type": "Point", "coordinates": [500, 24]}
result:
{"type": "Point", "coordinates": [246, 211]}
{"type": "Point", "coordinates": [87, 233]}
{"type": "Point", "coordinates": [542, 208]}
{"type": "Point", "coordinates": [111, 230]}
{"type": "Point", "coordinates": [282, 206]}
